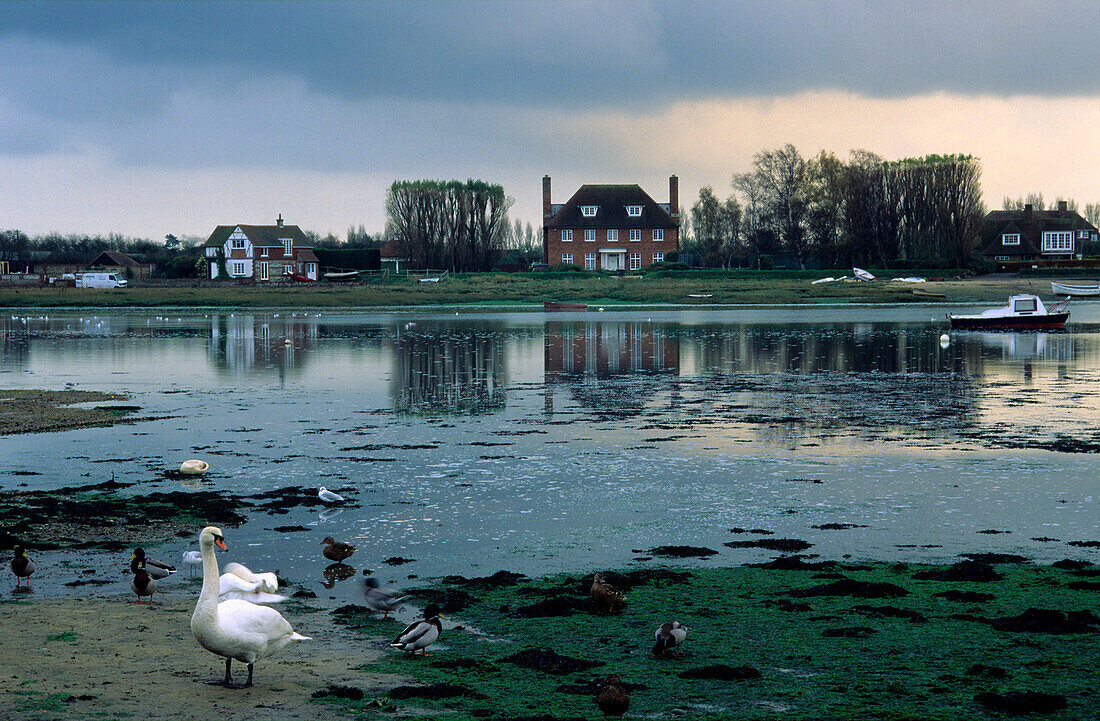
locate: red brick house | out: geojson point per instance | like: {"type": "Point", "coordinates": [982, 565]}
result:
{"type": "Point", "coordinates": [260, 252]}
{"type": "Point", "coordinates": [610, 227]}
{"type": "Point", "coordinates": [1029, 234]}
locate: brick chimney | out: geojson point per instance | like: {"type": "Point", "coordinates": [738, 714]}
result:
{"type": "Point", "coordinates": [546, 197]}
{"type": "Point", "coordinates": [673, 195]}
{"type": "Point", "coordinates": [1063, 206]}
{"type": "Point", "coordinates": [1027, 211]}
{"type": "Point", "coordinates": [279, 220]}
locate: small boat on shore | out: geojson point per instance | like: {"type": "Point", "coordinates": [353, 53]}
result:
{"type": "Point", "coordinates": [1064, 289]}
{"type": "Point", "coordinates": [343, 276]}
{"type": "Point", "coordinates": [861, 274]}
{"type": "Point", "coordinates": [559, 306]}
{"type": "Point", "coordinates": [1023, 312]}
{"type": "Point", "coordinates": [301, 278]}
{"type": "Point", "coordinates": [922, 293]}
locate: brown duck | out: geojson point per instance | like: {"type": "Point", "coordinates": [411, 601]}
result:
{"type": "Point", "coordinates": [22, 566]}
{"type": "Point", "coordinates": [613, 699]}
{"type": "Point", "coordinates": [336, 551]}
{"type": "Point", "coordinates": [608, 598]}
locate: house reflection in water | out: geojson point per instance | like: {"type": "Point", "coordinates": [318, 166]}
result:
{"type": "Point", "coordinates": [448, 370]}
{"type": "Point", "coordinates": [609, 365]}
{"type": "Point", "coordinates": [249, 344]}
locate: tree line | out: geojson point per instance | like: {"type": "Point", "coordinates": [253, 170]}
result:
{"type": "Point", "coordinates": [827, 212]}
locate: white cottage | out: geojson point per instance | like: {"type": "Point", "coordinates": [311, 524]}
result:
{"type": "Point", "coordinates": [261, 252]}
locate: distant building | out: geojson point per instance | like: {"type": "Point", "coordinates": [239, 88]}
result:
{"type": "Point", "coordinates": [1029, 234]}
{"type": "Point", "coordinates": [113, 261]}
{"type": "Point", "coordinates": [610, 227]}
{"type": "Point", "coordinates": [261, 252]}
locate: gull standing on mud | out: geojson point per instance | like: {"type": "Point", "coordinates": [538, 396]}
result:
{"type": "Point", "coordinates": [329, 497]}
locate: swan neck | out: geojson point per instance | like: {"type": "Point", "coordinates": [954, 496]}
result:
{"type": "Point", "coordinates": [209, 593]}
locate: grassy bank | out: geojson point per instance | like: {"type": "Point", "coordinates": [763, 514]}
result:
{"type": "Point", "coordinates": [876, 641]}
{"type": "Point", "coordinates": [681, 288]}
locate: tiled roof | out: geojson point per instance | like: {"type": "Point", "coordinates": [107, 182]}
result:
{"type": "Point", "coordinates": [1031, 228]}
{"type": "Point", "coordinates": [269, 235]}
{"type": "Point", "coordinates": [611, 201]}
{"type": "Point", "coordinates": [113, 257]}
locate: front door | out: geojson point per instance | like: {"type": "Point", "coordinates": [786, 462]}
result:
{"type": "Point", "coordinates": [612, 261]}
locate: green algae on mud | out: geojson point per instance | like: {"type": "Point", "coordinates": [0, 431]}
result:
{"type": "Point", "coordinates": [38, 411]}
{"type": "Point", "coordinates": [915, 655]}
{"type": "Point", "coordinates": [99, 516]}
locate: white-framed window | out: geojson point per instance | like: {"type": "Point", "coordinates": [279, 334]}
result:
{"type": "Point", "coordinates": [1058, 241]}
{"type": "Point", "coordinates": [288, 269]}
{"type": "Point", "coordinates": [635, 261]}
{"type": "Point", "coordinates": [263, 271]}
{"type": "Point", "coordinates": [288, 246]}
{"type": "Point", "coordinates": [658, 233]}
{"type": "Point", "coordinates": [589, 261]}
{"type": "Point", "coordinates": [658, 257]}
{"type": "Point", "coordinates": [635, 234]}
{"type": "Point", "coordinates": [567, 236]}
{"type": "Point", "coordinates": [1000, 257]}
{"type": "Point", "coordinates": [566, 257]}
{"type": "Point", "coordinates": [612, 235]}
{"type": "Point", "coordinates": [311, 268]}
{"type": "Point", "coordinates": [237, 243]}
{"type": "Point", "coordinates": [1010, 239]}
{"type": "Point", "coordinates": [238, 268]}
{"type": "Point", "coordinates": [590, 235]}
{"type": "Point", "coordinates": [589, 211]}
{"type": "Point", "coordinates": [1083, 234]}
{"type": "Point", "coordinates": [634, 211]}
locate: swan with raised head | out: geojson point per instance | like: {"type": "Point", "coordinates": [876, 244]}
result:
{"type": "Point", "coordinates": [235, 629]}
{"type": "Point", "coordinates": [269, 582]}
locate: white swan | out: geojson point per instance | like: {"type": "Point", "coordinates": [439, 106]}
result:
{"type": "Point", "coordinates": [230, 585]}
{"type": "Point", "coordinates": [234, 629]}
{"type": "Point", "coordinates": [269, 582]}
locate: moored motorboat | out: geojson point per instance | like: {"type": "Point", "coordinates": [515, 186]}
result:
{"type": "Point", "coordinates": [1065, 289]}
{"type": "Point", "coordinates": [1023, 312]}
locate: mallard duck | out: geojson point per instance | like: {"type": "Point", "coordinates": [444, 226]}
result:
{"type": "Point", "coordinates": [22, 566]}
{"type": "Point", "coordinates": [418, 635]}
{"type": "Point", "coordinates": [669, 636]}
{"type": "Point", "coordinates": [234, 629]}
{"type": "Point", "coordinates": [613, 699]}
{"type": "Point", "coordinates": [328, 496]}
{"type": "Point", "coordinates": [336, 551]}
{"type": "Point", "coordinates": [156, 569]}
{"type": "Point", "coordinates": [607, 597]}
{"type": "Point", "coordinates": [382, 598]}
{"type": "Point", "coordinates": [144, 583]}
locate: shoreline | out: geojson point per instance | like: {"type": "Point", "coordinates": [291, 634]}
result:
{"type": "Point", "coordinates": [887, 640]}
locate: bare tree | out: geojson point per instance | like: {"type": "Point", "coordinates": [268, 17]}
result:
{"type": "Point", "coordinates": [782, 176]}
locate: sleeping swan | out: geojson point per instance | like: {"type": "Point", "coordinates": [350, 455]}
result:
{"type": "Point", "coordinates": [234, 629]}
{"type": "Point", "coordinates": [269, 582]}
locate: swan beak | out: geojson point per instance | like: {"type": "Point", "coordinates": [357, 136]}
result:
{"type": "Point", "coordinates": [220, 543]}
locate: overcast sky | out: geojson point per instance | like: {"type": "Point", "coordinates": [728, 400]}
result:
{"type": "Point", "coordinates": [172, 117]}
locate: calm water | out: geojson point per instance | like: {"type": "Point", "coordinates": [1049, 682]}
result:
{"type": "Point", "coordinates": [540, 443]}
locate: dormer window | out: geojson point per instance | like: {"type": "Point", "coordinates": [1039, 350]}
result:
{"type": "Point", "coordinates": [1010, 239]}
{"type": "Point", "coordinates": [589, 211]}
{"type": "Point", "coordinates": [634, 211]}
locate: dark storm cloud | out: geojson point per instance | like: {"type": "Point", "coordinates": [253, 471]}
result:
{"type": "Point", "coordinates": [590, 54]}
